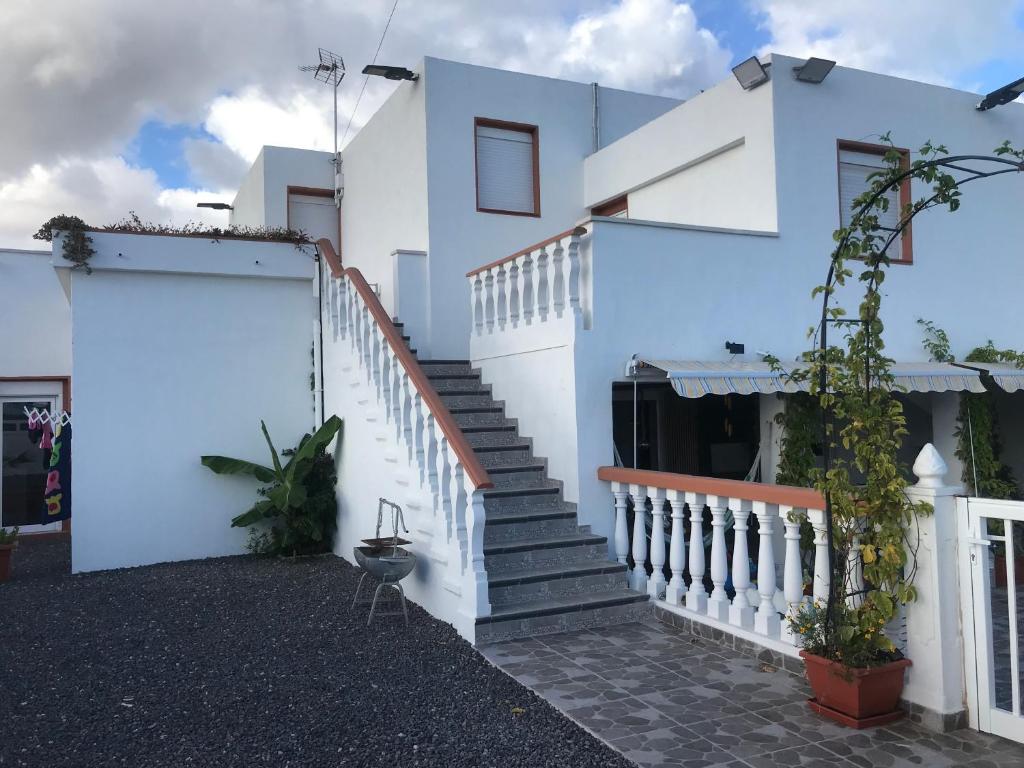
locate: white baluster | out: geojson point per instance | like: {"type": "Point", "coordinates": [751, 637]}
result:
{"type": "Point", "coordinates": [741, 614]}
{"type": "Point", "coordinates": [529, 292]}
{"type": "Point", "coordinates": [397, 409]}
{"type": "Point", "coordinates": [476, 303]}
{"type": "Point", "coordinates": [656, 584]}
{"type": "Point", "coordinates": [443, 521]}
{"type": "Point", "coordinates": [821, 574]}
{"type": "Point", "coordinates": [558, 278]}
{"type": "Point", "coordinates": [501, 305]}
{"type": "Point", "coordinates": [573, 254]}
{"type": "Point", "coordinates": [638, 576]}
{"type": "Point", "coordinates": [475, 594]}
{"type": "Point", "coordinates": [793, 577]}
{"type": "Point", "coordinates": [718, 603]}
{"type": "Point", "coordinates": [543, 288]}
{"type": "Point", "coordinates": [514, 292]}
{"type": "Point", "coordinates": [621, 494]}
{"type": "Point", "coordinates": [766, 621]}
{"type": "Point", "coordinates": [677, 548]}
{"type": "Point", "coordinates": [696, 595]}
{"type": "Point", "coordinates": [419, 435]}
{"type": "Point", "coordinates": [489, 300]}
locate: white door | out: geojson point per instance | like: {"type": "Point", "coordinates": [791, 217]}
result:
{"type": "Point", "coordinates": [993, 565]}
{"type": "Point", "coordinates": [315, 215]}
{"type": "Point", "coordinates": [23, 464]}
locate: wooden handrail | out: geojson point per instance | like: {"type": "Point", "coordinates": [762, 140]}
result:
{"type": "Point", "coordinates": [788, 495]}
{"type": "Point", "coordinates": [463, 450]}
{"type": "Point", "coordinates": [579, 231]}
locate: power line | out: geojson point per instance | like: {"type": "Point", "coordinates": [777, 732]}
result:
{"type": "Point", "coordinates": [367, 77]}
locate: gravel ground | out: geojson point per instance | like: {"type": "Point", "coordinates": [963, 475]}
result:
{"type": "Point", "coordinates": [251, 661]}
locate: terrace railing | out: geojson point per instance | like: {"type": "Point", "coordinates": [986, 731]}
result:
{"type": "Point", "coordinates": [755, 609]}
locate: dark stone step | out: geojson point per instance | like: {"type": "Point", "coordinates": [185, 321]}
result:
{"type": "Point", "coordinates": [569, 604]}
{"type": "Point", "coordinates": [534, 545]}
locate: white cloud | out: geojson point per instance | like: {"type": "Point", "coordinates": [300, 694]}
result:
{"type": "Point", "coordinates": [937, 42]}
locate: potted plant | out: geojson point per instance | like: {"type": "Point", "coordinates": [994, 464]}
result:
{"type": "Point", "coordinates": [8, 541]}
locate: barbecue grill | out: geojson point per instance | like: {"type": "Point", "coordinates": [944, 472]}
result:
{"type": "Point", "coordinates": [386, 560]}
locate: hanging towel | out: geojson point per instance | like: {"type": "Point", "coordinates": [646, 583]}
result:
{"type": "Point", "coordinates": [57, 496]}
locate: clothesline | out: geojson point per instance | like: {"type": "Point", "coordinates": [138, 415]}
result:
{"type": "Point", "coordinates": [44, 416]}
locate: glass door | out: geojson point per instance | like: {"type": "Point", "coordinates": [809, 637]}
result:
{"type": "Point", "coordinates": [23, 467]}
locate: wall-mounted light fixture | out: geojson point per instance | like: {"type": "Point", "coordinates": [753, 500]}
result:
{"type": "Point", "coordinates": [734, 348]}
{"type": "Point", "coordinates": [814, 70]}
{"type": "Point", "coordinates": [216, 206]}
{"type": "Point", "coordinates": [751, 73]}
{"type": "Point", "coordinates": [390, 73]}
{"type": "Point", "coordinates": [1001, 96]}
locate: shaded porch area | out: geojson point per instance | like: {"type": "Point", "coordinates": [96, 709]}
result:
{"type": "Point", "coordinates": [664, 697]}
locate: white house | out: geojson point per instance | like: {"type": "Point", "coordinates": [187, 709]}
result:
{"type": "Point", "coordinates": [569, 263]}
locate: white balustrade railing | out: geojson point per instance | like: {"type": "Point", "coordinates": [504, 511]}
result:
{"type": "Point", "coordinates": [755, 608]}
{"type": "Point", "coordinates": [431, 458]}
{"type": "Point", "coordinates": [531, 287]}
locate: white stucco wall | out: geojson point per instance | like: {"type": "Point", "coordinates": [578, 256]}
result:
{"type": "Point", "coordinates": [181, 346]}
{"type": "Point", "coordinates": [35, 316]}
{"type": "Point", "coordinates": [262, 198]}
{"type": "Point", "coordinates": [709, 161]}
{"type": "Point", "coordinates": [461, 237]}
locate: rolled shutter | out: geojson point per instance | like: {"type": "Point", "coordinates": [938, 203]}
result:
{"type": "Point", "coordinates": [854, 169]}
{"type": "Point", "coordinates": [504, 167]}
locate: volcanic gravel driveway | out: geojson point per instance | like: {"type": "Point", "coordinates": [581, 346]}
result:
{"type": "Point", "coordinates": [248, 661]}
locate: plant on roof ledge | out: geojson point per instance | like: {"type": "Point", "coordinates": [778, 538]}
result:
{"type": "Point", "coordinates": [868, 513]}
{"type": "Point", "coordinates": [76, 244]}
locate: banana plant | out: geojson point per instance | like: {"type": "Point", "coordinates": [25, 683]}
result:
{"type": "Point", "coordinates": [288, 495]}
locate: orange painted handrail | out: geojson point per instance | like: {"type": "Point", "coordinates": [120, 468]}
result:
{"type": "Point", "coordinates": [574, 231]}
{"type": "Point", "coordinates": [463, 450]}
{"type": "Point", "coordinates": [788, 495]}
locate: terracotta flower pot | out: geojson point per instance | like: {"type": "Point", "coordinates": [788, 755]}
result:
{"type": "Point", "coordinates": [859, 698]}
{"type": "Point", "coordinates": [6, 550]}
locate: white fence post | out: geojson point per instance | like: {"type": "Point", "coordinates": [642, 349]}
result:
{"type": "Point", "coordinates": [934, 644]}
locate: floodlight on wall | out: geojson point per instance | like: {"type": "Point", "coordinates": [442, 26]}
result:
{"type": "Point", "coordinates": [216, 206]}
{"type": "Point", "coordinates": [1001, 96]}
{"type": "Point", "coordinates": [390, 73]}
{"type": "Point", "coordinates": [814, 70]}
{"type": "Point", "coordinates": [751, 73]}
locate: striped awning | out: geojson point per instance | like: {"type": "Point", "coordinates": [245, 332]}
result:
{"type": "Point", "coordinates": [696, 378]}
{"type": "Point", "coordinates": [1007, 377]}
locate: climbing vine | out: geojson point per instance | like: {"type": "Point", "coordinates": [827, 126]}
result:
{"type": "Point", "coordinates": [76, 246]}
{"type": "Point", "coordinates": [853, 384]}
{"type": "Point", "coordinates": [979, 443]}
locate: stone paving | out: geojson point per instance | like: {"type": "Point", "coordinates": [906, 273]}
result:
{"type": "Point", "coordinates": [663, 697]}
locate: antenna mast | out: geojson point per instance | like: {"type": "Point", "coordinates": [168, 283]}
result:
{"type": "Point", "coordinates": [331, 70]}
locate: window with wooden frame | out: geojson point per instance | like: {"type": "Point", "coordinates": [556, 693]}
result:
{"type": "Point", "coordinates": [856, 162]}
{"type": "Point", "coordinates": [507, 167]}
{"type": "Point", "coordinates": [619, 207]}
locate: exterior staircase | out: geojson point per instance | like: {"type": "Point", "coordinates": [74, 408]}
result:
{"type": "Point", "coordinates": [546, 573]}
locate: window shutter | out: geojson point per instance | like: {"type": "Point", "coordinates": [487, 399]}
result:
{"type": "Point", "coordinates": [504, 167]}
{"type": "Point", "coordinates": [854, 169]}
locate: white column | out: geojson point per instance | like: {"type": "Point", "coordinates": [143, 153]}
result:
{"type": "Point", "coordinates": [934, 631]}
{"type": "Point", "coordinates": [718, 603]}
{"type": "Point", "coordinates": [696, 595]}
{"type": "Point", "coordinates": [793, 577]}
{"type": "Point", "coordinates": [638, 576]}
{"type": "Point", "coordinates": [677, 549]}
{"type": "Point", "coordinates": [656, 584]}
{"type": "Point", "coordinates": [741, 614]}
{"type": "Point", "coordinates": [621, 494]}
{"type": "Point", "coordinates": [766, 621]}
{"type": "Point", "coordinates": [822, 577]}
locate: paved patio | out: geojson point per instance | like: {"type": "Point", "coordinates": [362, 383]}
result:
{"type": "Point", "coordinates": [665, 698]}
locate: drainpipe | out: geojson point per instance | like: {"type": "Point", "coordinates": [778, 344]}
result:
{"type": "Point", "coordinates": [596, 99]}
{"type": "Point", "coordinates": [318, 329]}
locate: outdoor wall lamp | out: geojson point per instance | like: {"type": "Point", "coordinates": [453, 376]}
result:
{"type": "Point", "coordinates": [814, 70]}
{"type": "Point", "coordinates": [1001, 96]}
{"type": "Point", "coordinates": [216, 206]}
{"type": "Point", "coordinates": [734, 348]}
{"type": "Point", "coordinates": [390, 73]}
{"type": "Point", "coordinates": [751, 73]}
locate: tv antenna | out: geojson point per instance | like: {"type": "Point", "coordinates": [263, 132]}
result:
{"type": "Point", "coordinates": [331, 70]}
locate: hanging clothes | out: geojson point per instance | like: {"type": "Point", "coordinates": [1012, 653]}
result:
{"type": "Point", "coordinates": [57, 496]}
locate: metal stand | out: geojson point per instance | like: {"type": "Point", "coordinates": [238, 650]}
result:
{"type": "Point", "coordinates": [376, 597]}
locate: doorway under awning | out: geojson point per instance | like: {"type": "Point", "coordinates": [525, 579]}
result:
{"type": "Point", "coordinates": [696, 378]}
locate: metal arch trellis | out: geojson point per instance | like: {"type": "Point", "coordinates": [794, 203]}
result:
{"type": "Point", "coordinates": [971, 168]}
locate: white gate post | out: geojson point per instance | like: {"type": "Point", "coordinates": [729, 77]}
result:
{"type": "Point", "coordinates": [934, 645]}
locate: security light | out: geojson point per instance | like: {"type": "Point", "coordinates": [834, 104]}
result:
{"type": "Point", "coordinates": [750, 73]}
{"type": "Point", "coordinates": [216, 206]}
{"type": "Point", "coordinates": [1003, 95]}
{"type": "Point", "coordinates": [390, 73]}
{"type": "Point", "coordinates": [814, 70]}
